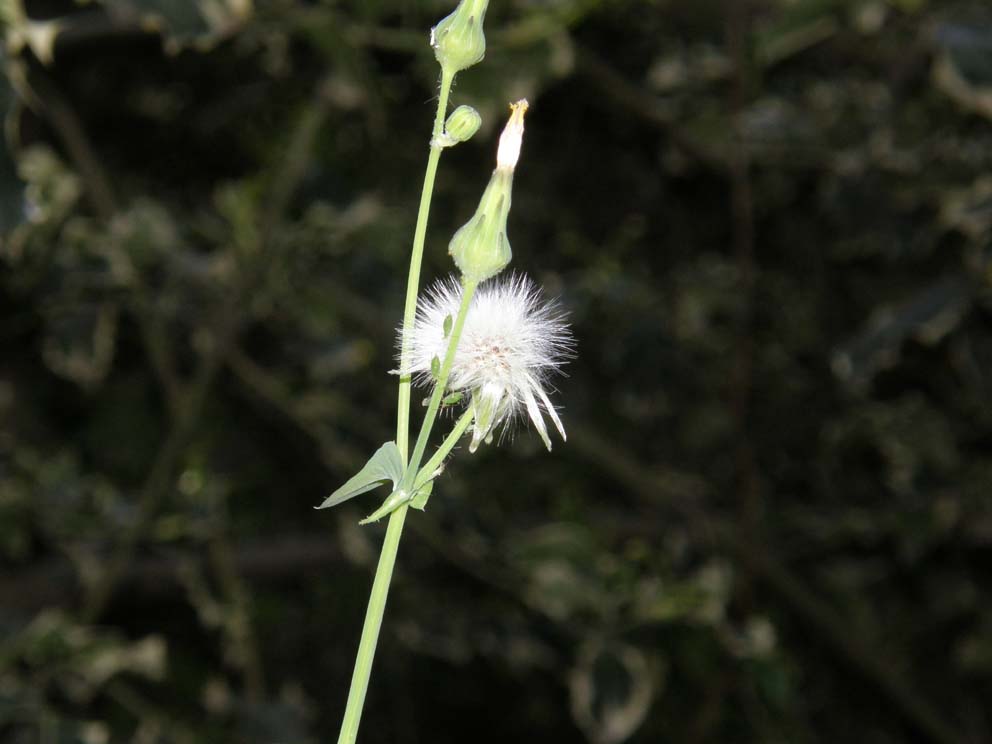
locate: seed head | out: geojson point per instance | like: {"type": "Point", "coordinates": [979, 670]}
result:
{"type": "Point", "coordinates": [512, 342]}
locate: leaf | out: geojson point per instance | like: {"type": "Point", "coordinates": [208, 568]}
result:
{"type": "Point", "coordinates": [611, 688]}
{"type": "Point", "coordinates": [398, 498]}
{"type": "Point", "coordinates": [926, 316]}
{"type": "Point", "coordinates": [419, 500]}
{"type": "Point", "coordinates": [963, 65]}
{"type": "Point", "coordinates": [183, 23]}
{"type": "Point", "coordinates": [12, 212]}
{"type": "Point", "coordinates": [393, 502]}
{"type": "Point", "coordinates": [385, 465]}
{"type": "Point", "coordinates": [23, 32]}
{"type": "Point", "coordinates": [804, 25]}
{"type": "Point", "coordinates": [81, 340]}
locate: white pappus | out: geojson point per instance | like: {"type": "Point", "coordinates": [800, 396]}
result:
{"type": "Point", "coordinates": [512, 343]}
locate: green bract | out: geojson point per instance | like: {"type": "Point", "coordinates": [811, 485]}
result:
{"type": "Point", "coordinates": [458, 40]}
{"type": "Point", "coordinates": [485, 413]}
{"type": "Point", "coordinates": [480, 248]}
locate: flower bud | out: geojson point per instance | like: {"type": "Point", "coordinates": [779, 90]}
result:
{"type": "Point", "coordinates": [480, 248]}
{"type": "Point", "coordinates": [458, 40]}
{"type": "Point", "coordinates": [463, 123]}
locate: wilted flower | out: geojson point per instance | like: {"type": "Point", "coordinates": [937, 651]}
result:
{"type": "Point", "coordinates": [480, 248]}
{"type": "Point", "coordinates": [512, 342]}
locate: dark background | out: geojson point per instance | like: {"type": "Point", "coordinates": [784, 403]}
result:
{"type": "Point", "coordinates": [769, 222]}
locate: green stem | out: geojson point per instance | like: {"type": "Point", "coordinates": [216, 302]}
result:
{"type": "Point", "coordinates": [387, 558]}
{"type": "Point", "coordinates": [416, 257]}
{"type": "Point", "coordinates": [390, 545]}
{"type": "Point", "coordinates": [370, 631]}
{"type": "Point", "coordinates": [446, 446]}
{"type": "Point", "coordinates": [468, 290]}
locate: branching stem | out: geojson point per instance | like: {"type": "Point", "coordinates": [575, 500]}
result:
{"type": "Point", "coordinates": [416, 258]}
{"type": "Point", "coordinates": [444, 450]}
{"type": "Point", "coordinates": [468, 291]}
{"type": "Point", "coordinates": [390, 545]}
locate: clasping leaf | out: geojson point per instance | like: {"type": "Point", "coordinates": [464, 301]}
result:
{"type": "Point", "coordinates": [397, 498]}
{"type": "Point", "coordinates": [419, 500]}
{"type": "Point", "coordinates": [385, 465]}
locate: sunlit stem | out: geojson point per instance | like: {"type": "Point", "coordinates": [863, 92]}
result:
{"type": "Point", "coordinates": [468, 291]}
{"type": "Point", "coordinates": [427, 471]}
{"type": "Point", "coordinates": [387, 558]}
{"type": "Point", "coordinates": [416, 258]}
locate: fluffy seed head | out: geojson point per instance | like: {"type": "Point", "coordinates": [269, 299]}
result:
{"type": "Point", "coordinates": [513, 341]}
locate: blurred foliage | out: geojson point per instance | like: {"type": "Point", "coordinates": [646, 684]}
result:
{"type": "Point", "coordinates": [770, 222]}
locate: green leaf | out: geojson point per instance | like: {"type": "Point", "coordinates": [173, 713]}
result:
{"type": "Point", "coordinates": [385, 465]}
{"type": "Point", "coordinates": [419, 500]}
{"type": "Point", "coordinates": [398, 498]}
{"type": "Point", "coordinates": [393, 502]}
{"type": "Point", "coordinates": [198, 23]}
{"type": "Point", "coordinates": [12, 212]}
{"type": "Point", "coordinates": [963, 69]}
{"type": "Point", "coordinates": [34, 34]}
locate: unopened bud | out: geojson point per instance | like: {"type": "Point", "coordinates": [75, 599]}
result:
{"type": "Point", "coordinates": [458, 40]}
{"type": "Point", "coordinates": [480, 248]}
{"type": "Point", "coordinates": [463, 123]}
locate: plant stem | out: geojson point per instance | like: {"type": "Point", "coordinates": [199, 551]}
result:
{"type": "Point", "coordinates": [447, 445]}
{"type": "Point", "coordinates": [468, 290]}
{"type": "Point", "coordinates": [416, 257]}
{"type": "Point", "coordinates": [370, 631]}
{"type": "Point", "coordinates": [387, 558]}
{"type": "Point", "coordinates": [390, 545]}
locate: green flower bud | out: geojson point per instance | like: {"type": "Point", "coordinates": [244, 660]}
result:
{"type": "Point", "coordinates": [463, 123]}
{"type": "Point", "coordinates": [480, 248]}
{"type": "Point", "coordinates": [458, 40]}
